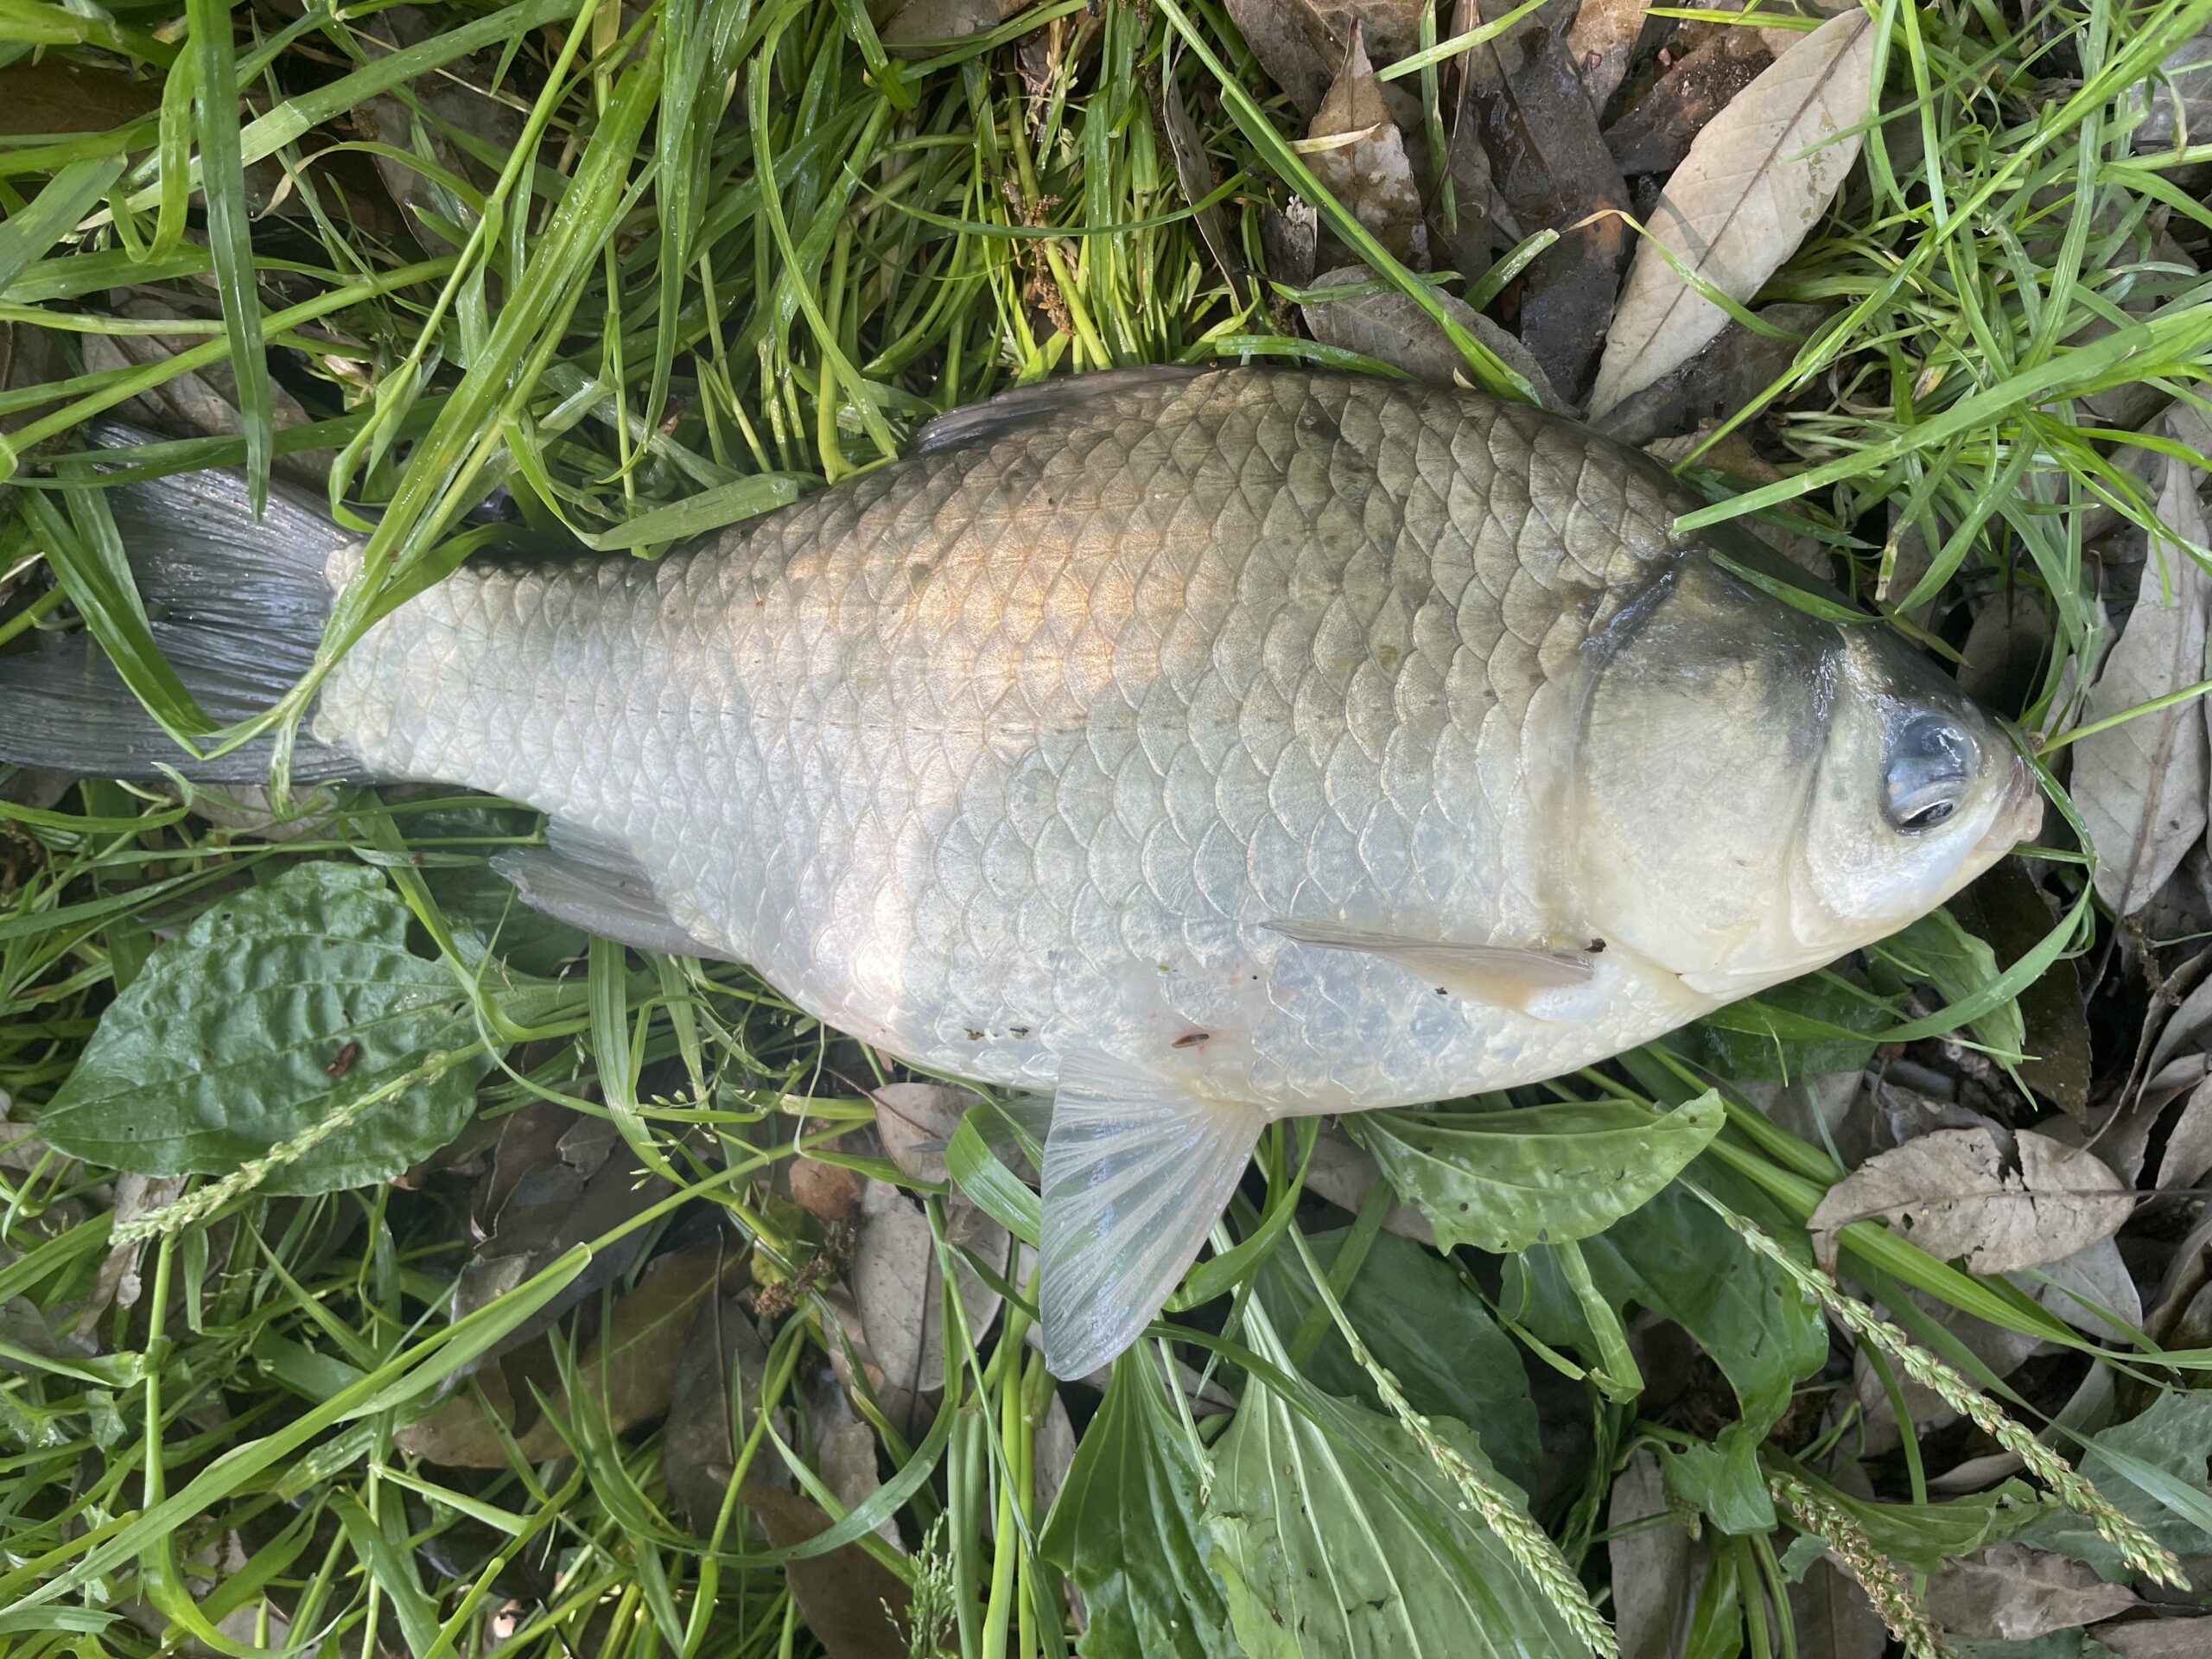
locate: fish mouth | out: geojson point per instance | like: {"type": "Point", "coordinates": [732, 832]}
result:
{"type": "Point", "coordinates": [2019, 813]}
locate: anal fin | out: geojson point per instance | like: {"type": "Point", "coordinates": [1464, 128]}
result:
{"type": "Point", "coordinates": [1565, 985]}
{"type": "Point", "coordinates": [595, 885]}
{"type": "Point", "coordinates": [1137, 1170]}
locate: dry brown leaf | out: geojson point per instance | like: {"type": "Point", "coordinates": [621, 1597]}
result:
{"type": "Point", "coordinates": [900, 22]}
{"type": "Point", "coordinates": [1602, 39]}
{"type": "Point", "coordinates": [1758, 177]}
{"type": "Point", "coordinates": [856, 1605]}
{"type": "Point", "coordinates": [2140, 785]}
{"type": "Point", "coordinates": [2009, 1592]}
{"type": "Point", "coordinates": [1957, 1193]}
{"type": "Point", "coordinates": [2158, 1638]}
{"type": "Point", "coordinates": [1300, 43]}
{"type": "Point", "coordinates": [1392, 328]}
{"type": "Point", "coordinates": [2189, 1144]}
{"type": "Point", "coordinates": [1343, 1172]}
{"type": "Point", "coordinates": [2178, 106]}
{"type": "Point", "coordinates": [1655, 135]}
{"type": "Point", "coordinates": [1289, 240]}
{"type": "Point", "coordinates": [915, 1121]}
{"type": "Point", "coordinates": [896, 1282]}
{"type": "Point", "coordinates": [1656, 1568]}
{"type": "Point", "coordinates": [1194, 172]}
{"type": "Point", "coordinates": [1833, 1618]}
{"type": "Point", "coordinates": [1370, 175]}
{"type": "Point", "coordinates": [724, 1355]}
{"type": "Point", "coordinates": [1551, 171]}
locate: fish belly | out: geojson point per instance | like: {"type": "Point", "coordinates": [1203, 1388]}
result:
{"type": "Point", "coordinates": [1018, 750]}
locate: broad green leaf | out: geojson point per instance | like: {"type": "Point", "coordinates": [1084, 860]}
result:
{"type": "Point", "coordinates": [1504, 1180]}
{"type": "Point", "coordinates": [2152, 1467]}
{"type": "Point", "coordinates": [1426, 1327]}
{"type": "Point", "coordinates": [277, 1006]}
{"type": "Point", "coordinates": [1922, 1536]}
{"type": "Point", "coordinates": [1122, 1527]}
{"type": "Point", "coordinates": [1795, 1029]}
{"type": "Point", "coordinates": [1677, 1258]}
{"type": "Point", "coordinates": [1335, 1534]}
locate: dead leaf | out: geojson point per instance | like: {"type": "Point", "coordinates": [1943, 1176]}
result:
{"type": "Point", "coordinates": [1553, 171]}
{"type": "Point", "coordinates": [1833, 1618]}
{"type": "Point", "coordinates": [1391, 328]}
{"type": "Point", "coordinates": [1656, 1568]}
{"type": "Point", "coordinates": [2140, 785]}
{"type": "Point", "coordinates": [1655, 135]}
{"type": "Point", "coordinates": [723, 1352]}
{"type": "Point", "coordinates": [1289, 240]}
{"type": "Point", "coordinates": [2009, 1592]}
{"type": "Point", "coordinates": [1343, 1172]}
{"type": "Point", "coordinates": [2157, 1638]}
{"type": "Point", "coordinates": [1601, 39]}
{"type": "Point", "coordinates": [915, 1121]}
{"type": "Point", "coordinates": [1736, 459]}
{"type": "Point", "coordinates": [2098, 1279]}
{"type": "Point", "coordinates": [900, 22]}
{"type": "Point", "coordinates": [1957, 1194]}
{"type": "Point", "coordinates": [844, 1446]}
{"type": "Point", "coordinates": [119, 1283]}
{"type": "Point", "coordinates": [1742, 201]}
{"type": "Point", "coordinates": [856, 1607]}
{"type": "Point", "coordinates": [1194, 172]}
{"type": "Point", "coordinates": [1717, 382]}
{"type": "Point", "coordinates": [2189, 1144]}
{"type": "Point", "coordinates": [204, 400]}
{"type": "Point", "coordinates": [2006, 909]}
{"type": "Point", "coordinates": [2179, 101]}
{"type": "Point", "coordinates": [827, 1191]}
{"type": "Point", "coordinates": [1370, 174]}
{"type": "Point", "coordinates": [896, 1279]}
{"type": "Point", "coordinates": [1300, 43]}
{"type": "Point", "coordinates": [1051, 1454]}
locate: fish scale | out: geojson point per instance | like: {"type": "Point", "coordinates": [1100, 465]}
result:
{"type": "Point", "coordinates": [1029, 735]}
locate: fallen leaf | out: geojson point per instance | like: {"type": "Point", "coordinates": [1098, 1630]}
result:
{"type": "Point", "coordinates": [1289, 240]}
{"type": "Point", "coordinates": [2157, 1638]}
{"type": "Point", "coordinates": [1553, 171]}
{"type": "Point", "coordinates": [854, 1606]}
{"type": "Point", "coordinates": [1194, 172]}
{"type": "Point", "coordinates": [1370, 173]}
{"type": "Point", "coordinates": [1717, 382]}
{"type": "Point", "coordinates": [1300, 43]}
{"type": "Point", "coordinates": [1343, 1172]}
{"type": "Point", "coordinates": [1392, 328]}
{"type": "Point", "coordinates": [2007, 909]}
{"type": "Point", "coordinates": [915, 1121]}
{"type": "Point", "coordinates": [1957, 1194]}
{"type": "Point", "coordinates": [899, 22]}
{"type": "Point", "coordinates": [1601, 39]}
{"type": "Point", "coordinates": [1467, 238]}
{"type": "Point", "coordinates": [2007, 647]}
{"type": "Point", "coordinates": [1757, 179]}
{"type": "Point", "coordinates": [1833, 1618]}
{"type": "Point", "coordinates": [2098, 1278]}
{"type": "Point", "coordinates": [896, 1283]}
{"type": "Point", "coordinates": [2188, 1143]}
{"type": "Point", "coordinates": [2140, 785]}
{"type": "Point", "coordinates": [2011, 1593]}
{"type": "Point", "coordinates": [723, 1354]}
{"type": "Point", "coordinates": [844, 1446]}
{"type": "Point", "coordinates": [1657, 134]}
{"type": "Point", "coordinates": [827, 1191]}
{"type": "Point", "coordinates": [1656, 1568]}
{"type": "Point", "coordinates": [2178, 101]}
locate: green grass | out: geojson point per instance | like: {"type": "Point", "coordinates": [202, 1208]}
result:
{"type": "Point", "coordinates": [714, 254]}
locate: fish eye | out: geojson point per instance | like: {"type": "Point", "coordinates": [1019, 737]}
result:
{"type": "Point", "coordinates": [1931, 762]}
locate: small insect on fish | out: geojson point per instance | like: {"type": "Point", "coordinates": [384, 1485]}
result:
{"type": "Point", "coordinates": [1202, 747]}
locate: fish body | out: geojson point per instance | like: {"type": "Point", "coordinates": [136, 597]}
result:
{"type": "Point", "coordinates": [1204, 748]}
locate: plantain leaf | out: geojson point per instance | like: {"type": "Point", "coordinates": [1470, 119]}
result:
{"type": "Point", "coordinates": [276, 1008]}
{"type": "Point", "coordinates": [1504, 1180]}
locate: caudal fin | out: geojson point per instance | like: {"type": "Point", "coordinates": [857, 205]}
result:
{"type": "Point", "coordinates": [235, 604]}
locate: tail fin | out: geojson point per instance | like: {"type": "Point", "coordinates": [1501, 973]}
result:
{"type": "Point", "coordinates": [235, 604]}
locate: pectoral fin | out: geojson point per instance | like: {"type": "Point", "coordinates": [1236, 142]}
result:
{"type": "Point", "coordinates": [1136, 1171]}
{"type": "Point", "coordinates": [597, 885]}
{"type": "Point", "coordinates": [1557, 985]}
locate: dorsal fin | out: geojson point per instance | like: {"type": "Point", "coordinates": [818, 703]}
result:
{"type": "Point", "coordinates": [995, 416]}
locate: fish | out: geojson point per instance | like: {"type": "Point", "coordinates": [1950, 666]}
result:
{"type": "Point", "coordinates": [1202, 747]}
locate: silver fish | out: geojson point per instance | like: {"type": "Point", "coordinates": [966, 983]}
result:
{"type": "Point", "coordinates": [1205, 748]}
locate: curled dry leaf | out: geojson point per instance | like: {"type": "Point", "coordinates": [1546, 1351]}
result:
{"type": "Point", "coordinates": [1368, 172]}
{"type": "Point", "coordinates": [1957, 1193]}
{"type": "Point", "coordinates": [2009, 1592]}
{"type": "Point", "coordinates": [1391, 328]}
{"type": "Point", "coordinates": [1757, 179]}
{"type": "Point", "coordinates": [2140, 785]}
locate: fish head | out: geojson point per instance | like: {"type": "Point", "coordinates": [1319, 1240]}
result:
{"type": "Point", "coordinates": [1758, 791]}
